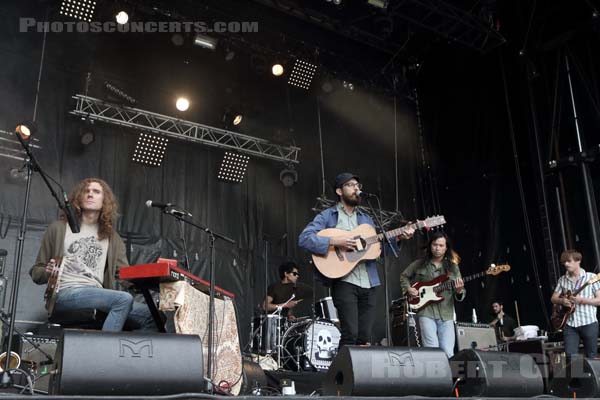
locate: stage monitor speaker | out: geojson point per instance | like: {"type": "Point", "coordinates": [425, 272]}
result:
{"type": "Point", "coordinates": [496, 374]}
{"type": "Point", "coordinates": [127, 363]}
{"type": "Point", "coordinates": [580, 379]}
{"type": "Point", "coordinates": [254, 378]}
{"type": "Point", "coordinates": [471, 337]}
{"type": "Point", "coordinates": [388, 371]}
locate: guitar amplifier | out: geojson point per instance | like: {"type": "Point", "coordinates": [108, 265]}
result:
{"type": "Point", "coordinates": [37, 357]}
{"type": "Point", "coordinates": [475, 336]}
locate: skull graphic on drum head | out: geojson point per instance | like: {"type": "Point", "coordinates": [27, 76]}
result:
{"type": "Point", "coordinates": [325, 345]}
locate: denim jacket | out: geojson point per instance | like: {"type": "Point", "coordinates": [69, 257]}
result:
{"type": "Point", "coordinates": [312, 243]}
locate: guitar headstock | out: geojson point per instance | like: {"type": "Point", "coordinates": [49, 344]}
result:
{"type": "Point", "coordinates": [431, 222]}
{"type": "Point", "coordinates": [497, 269]}
{"type": "Point", "coordinates": [594, 279]}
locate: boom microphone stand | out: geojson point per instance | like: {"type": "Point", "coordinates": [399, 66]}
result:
{"type": "Point", "coordinates": [32, 165]}
{"type": "Point", "coordinates": [213, 236]}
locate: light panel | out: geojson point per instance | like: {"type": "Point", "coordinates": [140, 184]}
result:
{"type": "Point", "coordinates": [302, 74]}
{"type": "Point", "coordinates": [78, 9]}
{"type": "Point", "coordinates": [150, 149]}
{"type": "Point", "coordinates": [233, 167]}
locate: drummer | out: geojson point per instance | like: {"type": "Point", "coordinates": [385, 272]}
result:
{"type": "Point", "coordinates": [279, 293]}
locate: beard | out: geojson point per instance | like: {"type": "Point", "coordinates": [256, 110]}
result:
{"type": "Point", "coordinates": [352, 200]}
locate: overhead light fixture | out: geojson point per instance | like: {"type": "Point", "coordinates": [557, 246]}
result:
{"type": "Point", "coordinates": [116, 94]}
{"type": "Point", "coordinates": [277, 69]}
{"type": "Point", "coordinates": [150, 149]}
{"type": "Point", "coordinates": [378, 3]}
{"type": "Point", "coordinates": [233, 167]}
{"type": "Point", "coordinates": [87, 135]}
{"type": "Point", "coordinates": [302, 74]}
{"type": "Point", "coordinates": [122, 17]}
{"type": "Point", "coordinates": [231, 117]}
{"type": "Point", "coordinates": [288, 177]}
{"type": "Point", "coordinates": [206, 42]}
{"type": "Point", "coordinates": [78, 9]}
{"type": "Point", "coordinates": [182, 104]}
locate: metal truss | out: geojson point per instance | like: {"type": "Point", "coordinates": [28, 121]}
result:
{"type": "Point", "coordinates": [11, 148]}
{"type": "Point", "coordinates": [450, 22]}
{"type": "Point", "coordinates": [390, 218]}
{"type": "Point", "coordinates": [99, 110]}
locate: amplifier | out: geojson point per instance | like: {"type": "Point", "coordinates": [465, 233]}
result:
{"type": "Point", "coordinates": [37, 356]}
{"type": "Point", "coordinates": [480, 337]}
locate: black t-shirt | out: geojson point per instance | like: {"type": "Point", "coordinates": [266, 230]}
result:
{"type": "Point", "coordinates": [281, 292]}
{"type": "Point", "coordinates": [507, 326]}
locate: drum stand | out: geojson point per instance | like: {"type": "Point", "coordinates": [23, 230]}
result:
{"type": "Point", "coordinates": [278, 332]}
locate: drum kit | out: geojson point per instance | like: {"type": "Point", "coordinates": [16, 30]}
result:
{"type": "Point", "coordinates": [302, 344]}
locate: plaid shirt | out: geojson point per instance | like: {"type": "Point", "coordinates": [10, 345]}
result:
{"type": "Point", "coordinates": [584, 314]}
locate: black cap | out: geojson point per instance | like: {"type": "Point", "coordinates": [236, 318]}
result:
{"type": "Point", "coordinates": [343, 178]}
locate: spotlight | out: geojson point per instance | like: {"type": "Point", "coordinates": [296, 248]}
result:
{"type": "Point", "coordinates": [277, 69]}
{"type": "Point", "coordinates": [206, 42]}
{"type": "Point", "coordinates": [348, 85]}
{"type": "Point", "coordinates": [122, 17]}
{"type": "Point", "coordinates": [233, 167]}
{"type": "Point", "coordinates": [237, 119]}
{"type": "Point", "coordinates": [231, 117]}
{"type": "Point", "coordinates": [177, 39]}
{"type": "Point", "coordinates": [378, 3]}
{"type": "Point", "coordinates": [79, 9]}
{"type": "Point", "coordinates": [150, 149]}
{"type": "Point", "coordinates": [87, 135]}
{"type": "Point", "coordinates": [182, 104]}
{"type": "Point", "coordinates": [25, 130]}
{"type": "Point", "coordinates": [302, 74]}
{"type": "Point", "coordinates": [288, 177]}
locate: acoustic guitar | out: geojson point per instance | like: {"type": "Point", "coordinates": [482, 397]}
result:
{"type": "Point", "coordinates": [429, 291]}
{"type": "Point", "coordinates": [338, 262]}
{"type": "Point", "coordinates": [560, 313]}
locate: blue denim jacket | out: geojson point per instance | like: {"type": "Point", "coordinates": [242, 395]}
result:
{"type": "Point", "coordinates": [312, 243]}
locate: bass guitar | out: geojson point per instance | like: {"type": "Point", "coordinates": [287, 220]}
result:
{"type": "Point", "coordinates": [338, 262]}
{"type": "Point", "coordinates": [560, 313]}
{"type": "Point", "coordinates": [429, 292]}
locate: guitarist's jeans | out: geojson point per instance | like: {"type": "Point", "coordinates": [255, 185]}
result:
{"type": "Point", "coordinates": [119, 306]}
{"type": "Point", "coordinates": [589, 336]}
{"type": "Point", "coordinates": [438, 333]}
{"type": "Point", "coordinates": [356, 311]}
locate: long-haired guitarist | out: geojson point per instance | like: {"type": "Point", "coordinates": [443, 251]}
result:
{"type": "Point", "coordinates": [436, 320]}
{"type": "Point", "coordinates": [353, 294]}
{"type": "Point", "coordinates": [90, 260]}
{"type": "Point", "coordinates": [582, 324]}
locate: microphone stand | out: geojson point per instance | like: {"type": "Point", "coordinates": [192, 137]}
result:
{"type": "Point", "coordinates": [386, 239]}
{"type": "Point", "coordinates": [32, 165]}
{"type": "Point", "coordinates": [182, 233]}
{"type": "Point", "coordinates": [213, 236]}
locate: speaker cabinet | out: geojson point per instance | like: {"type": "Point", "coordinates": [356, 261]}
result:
{"type": "Point", "coordinates": [127, 363]}
{"type": "Point", "coordinates": [37, 355]}
{"type": "Point", "coordinates": [254, 378]}
{"type": "Point", "coordinates": [388, 371]}
{"type": "Point", "coordinates": [580, 378]}
{"type": "Point", "coordinates": [496, 374]}
{"type": "Point", "coordinates": [475, 337]}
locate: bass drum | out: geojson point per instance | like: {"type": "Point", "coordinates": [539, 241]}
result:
{"type": "Point", "coordinates": [310, 345]}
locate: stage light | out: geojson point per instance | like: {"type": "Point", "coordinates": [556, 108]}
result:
{"type": "Point", "coordinates": [233, 167]}
{"type": "Point", "coordinates": [378, 3]}
{"type": "Point", "coordinates": [231, 117]}
{"type": "Point", "coordinates": [182, 104]}
{"type": "Point", "coordinates": [206, 42]}
{"type": "Point", "coordinates": [25, 130]}
{"type": "Point", "coordinates": [302, 74]}
{"type": "Point", "coordinates": [237, 119]}
{"type": "Point", "coordinates": [288, 177]}
{"type": "Point", "coordinates": [229, 55]}
{"type": "Point", "coordinates": [277, 69]}
{"type": "Point", "coordinates": [122, 17]}
{"type": "Point", "coordinates": [87, 135]}
{"type": "Point", "coordinates": [348, 85]}
{"type": "Point", "coordinates": [79, 9]}
{"type": "Point", "coordinates": [337, 2]}
{"type": "Point", "coordinates": [150, 149]}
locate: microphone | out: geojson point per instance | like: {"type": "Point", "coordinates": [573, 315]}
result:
{"type": "Point", "coordinates": [71, 218]}
{"type": "Point", "coordinates": [360, 193]}
{"type": "Point", "coordinates": [150, 203]}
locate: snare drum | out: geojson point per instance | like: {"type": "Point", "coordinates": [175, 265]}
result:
{"type": "Point", "coordinates": [267, 334]}
{"type": "Point", "coordinates": [325, 309]}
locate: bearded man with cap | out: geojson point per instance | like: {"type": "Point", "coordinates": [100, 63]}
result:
{"type": "Point", "coordinates": [353, 295]}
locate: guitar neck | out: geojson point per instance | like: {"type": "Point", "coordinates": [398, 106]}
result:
{"type": "Point", "coordinates": [390, 234]}
{"type": "Point", "coordinates": [450, 284]}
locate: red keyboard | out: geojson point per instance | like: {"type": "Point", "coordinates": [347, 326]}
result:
{"type": "Point", "coordinates": [153, 274]}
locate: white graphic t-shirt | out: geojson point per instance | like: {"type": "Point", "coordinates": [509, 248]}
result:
{"type": "Point", "coordinates": [84, 258]}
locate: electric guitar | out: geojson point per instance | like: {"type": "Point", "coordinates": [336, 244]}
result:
{"type": "Point", "coordinates": [560, 313]}
{"type": "Point", "coordinates": [429, 291]}
{"type": "Point", "coordinates": [338, 262]}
